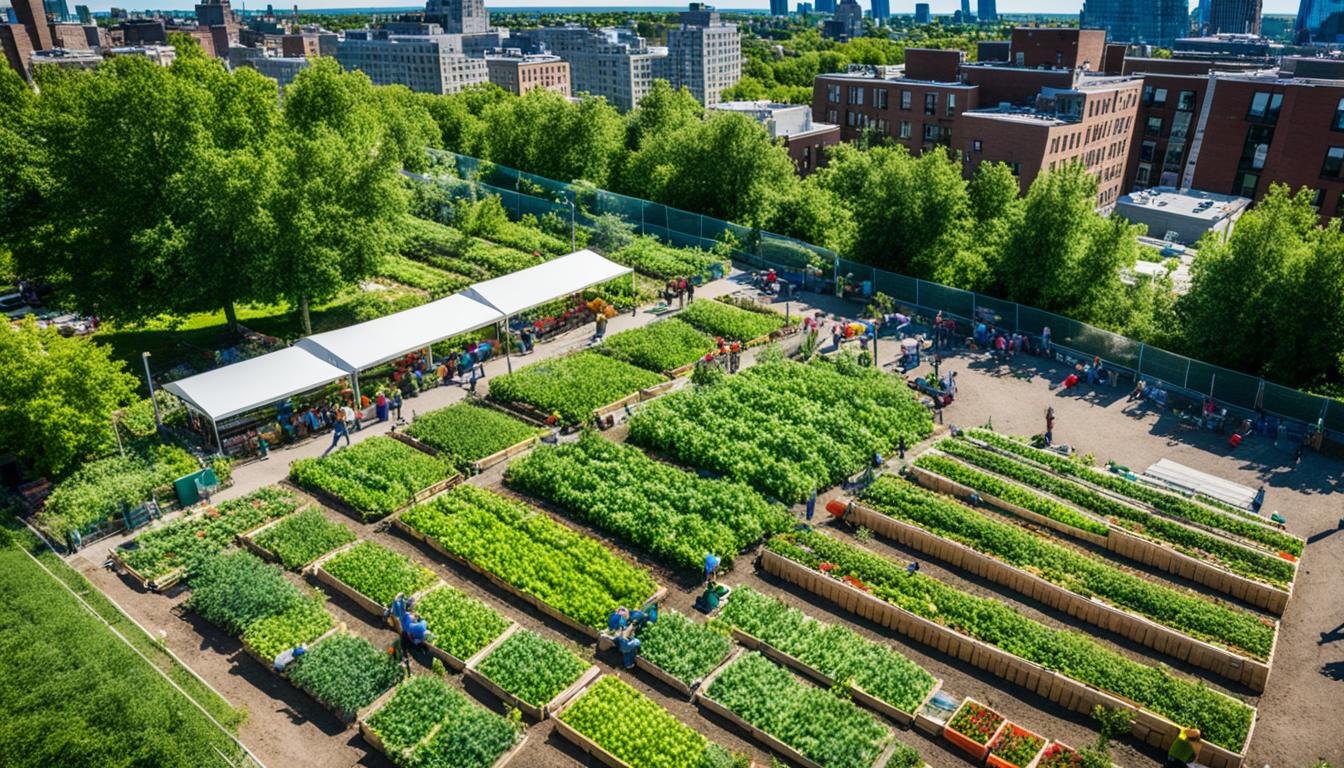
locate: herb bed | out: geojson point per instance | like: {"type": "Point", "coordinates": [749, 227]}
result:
{"type": "Point", "coordinates": [719, 318]}
{"type": "Point", "coordinates": [573, 386]}
{"type": "Point", "coordinates": [462, 626]}
{"type": "Point", "coordinates": [374, 573]}
{"type": "Point", "coordinates": [375, 477]}
{"type": "Point", "coordinates": [530, 672]}
{"type": "Point", "coordinates": [299, 539]}
{"type": "Point", "coordinates": [465, 433]}
{"type": "Point", "coordinates": [681, 650]}
{"type": "Point", "coordinates": [345, 673]}
{"type": "Point", "coordinates": [660, 346]}
{"type": "Point", "coordinates": [424, 722]}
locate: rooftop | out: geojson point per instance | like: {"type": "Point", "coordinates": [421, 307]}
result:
{"type": "Point", "coordinates": [1019, 115]}
{"type": "Point", "coordinates": [1194, 203]}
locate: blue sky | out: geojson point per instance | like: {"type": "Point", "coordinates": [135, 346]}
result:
{"type": "Point", "coordinates": [899, 6]}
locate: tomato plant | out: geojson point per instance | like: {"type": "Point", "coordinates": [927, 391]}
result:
{"type": "Point", "coordinates": [300, 539]}
{"type": "Point", "coordinates": [637, 730]}
{"type": "Point", "coordinates": [345, 672]}
{"type": "Point", "coordinates": [1017, 746]}
{"type": "Point", "coordinates": [659, 346]}
{"type": "Point", "coordinates": [466, 432]}
{"type": "Point", "coordinates": [379, 573]}
{"type": "Point", "coordinates": [375, 476]}
{"type": "Point", "coordinates": [461, 625]}
{"type": "Point", "coordinates": [976, 722]}
{"type": "Point", "coordinates": [531, 667]}
{"type": "Point", "coordinates": [572, 386]}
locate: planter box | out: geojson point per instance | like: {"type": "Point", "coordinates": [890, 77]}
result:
{"type": "Point", "coordinates": [508, 453]}
{"type": "Point", "coordinates": [1129, 545]}
{"type": "Point", "coordinates": [376, 742]}
{"type": "Point", "coordinates": [995, 761]}
{"type": "Point", "coordinates": [156, 584]}
{"type": "Point", "coordinates": [1250, 672]}
{"type": "Point", "coordinates": [526, 597]}
{"type": "Point", "coordinates": [402, 437]}
{"type": "Point", "coordinates": [531, 710]}
{"type": "Point", "coordinates": [583, 742]}
{"type": "Point", "coordinates": [610, 408]}
{"type": "Point", "coordinates": [605, 643]}
{"type": "Point", "coordinates": [520, 411]}
{"type": "Point", "coordinates": [1149, 727]}
{"type": "Point", "coordinates": [247, 540]}
{"type": "Point", "coordinates": [966, 743]}
{"type": "Point", "coordinates": [657, 390]}
{"type": "Point", "coordinates": [449, 660]}
{"type": "Point", "coordinates": [340, 505]}
{"type": "Point", "coordinates": [320, 573]}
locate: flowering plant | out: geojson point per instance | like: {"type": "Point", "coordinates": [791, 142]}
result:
{"type": "Point", "coordinates": [976, 722]}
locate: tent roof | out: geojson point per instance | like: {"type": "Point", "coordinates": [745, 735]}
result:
{"type": "Point", "coordinates": [361, 346]}
{"type": "Point", "coordinates": [522, 290]}
{"type": "Point", "coordinates": [250, 384]}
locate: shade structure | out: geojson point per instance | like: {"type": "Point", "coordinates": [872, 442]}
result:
{"type": "Point", "coordinates": [367, 344]}
{"type": "Point", "coordinates": [527, 288]}
{"type": "Point", "coordinates": [250, 384]}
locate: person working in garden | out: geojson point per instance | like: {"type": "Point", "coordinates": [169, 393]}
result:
{"type": "Point", "coordinates": [287, 657]}
{"type": "Point", "coordinates": [714, 593]}
{"type": "Point", "coordinates": [1185, 749]}
{"type": "Point", "coordinates": [338, 430]}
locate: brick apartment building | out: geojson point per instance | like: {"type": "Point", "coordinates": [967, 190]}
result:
{"type": "Point", "coordinates": [792, 125]}
{"type": "Point", "coordinates": [519, 73]}
{"type": "Point", "coordinates": [915, 107]}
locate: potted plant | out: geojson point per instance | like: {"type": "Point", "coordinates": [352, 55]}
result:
{"type": "Point", "coordinates": [1015, 747]}
{"type": "Point", "coordinates": [972, 727]}
{"type": "Point", "coordinates": [1059, 755]}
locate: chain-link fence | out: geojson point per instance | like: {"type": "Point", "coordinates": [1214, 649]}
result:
{"type": "Point", "coordinates": [822, 270]}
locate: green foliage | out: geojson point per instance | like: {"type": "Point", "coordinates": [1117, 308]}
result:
{"type": "Point", "coordinates": [467, 737]}
{"type": "Point", "coordinates": [648, 256]}
{"type": "Point", "coordinates": [1223, 720]}
{"type": "Point", "coordinates": [573, 386]}
{"type": "Point", "coordinates": [379, 573]}
{"type": "Point", "coordinates": [786, 428]}
{"type": "Point", "coordinates": [345, 672]}
{"type": "Point", "coordinates": [461, 625]}
{"type": "Point", "coordinates": [976, 722]}
{"type": "Point", "coordinates": [58, 397]}
{"type": "Point", "coordinates": [189, 541]}
{"type": "Point", "coordinates": [531, 667]}
{"type": "Point", "coordinates": [101, 489]}
{"type": "Point", "coordinates": [298, 625]}
{"type": "Point", "coordinates": [466, 432]}
{"type": "Point", "coordinates": [436, 281]}
{"type": "Point", "coordinates": [611, 232]}
{"type": "Point", "coordinates": [567, 570]}
{"type": "Point", "coordinates": [234, 591]}
{"type": "Point", "coordinates": [685, 649]}
{"type": "Point", "coordinates": [834, 650]}
{"type": "Point", "coordinates": [825, 728]}
{"type": "Point", "coordinates": [1016, 746]}
{"type": "Point", "coordinates": [668, 511]}
{"type": "Point", "coordinates": [635, 729]}
{"type": "Point", "coordinates": [375, 476]}
{"type": "Point", "coordinates": [300, 539]}
{"type": "Point", "coordinates": [718, 318]}
{"type": "Point", "coordinates": [660, 346]}
{"type": "Point", "coordinates": [542, 132]}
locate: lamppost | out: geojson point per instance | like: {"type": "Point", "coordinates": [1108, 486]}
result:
{"type": "Point", "coordinates": [571, 222]}
{"type": "Point", "coordinates": [116, 416]}
{"type": "Point", "coordinates": [149, 379]}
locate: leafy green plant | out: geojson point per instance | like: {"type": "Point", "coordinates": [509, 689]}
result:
{"type": "Point", "coordinates": [668, 511]}
{"type": "Point", "coordinates": [234, 591]}
{"type": "Point", "coordinates": [1223, 720]}
{"type": "Point", "coordinates": [718, 318]}
{"type": "Point", "coordinates": [100, 490]}
{"type": "Point", "coordinates": [636, 730]}
{"type": "Point", "coordinates": [378, 573]}
{"type": "Point", "coordinates": [660, 346]}
{"type": "Point", "coordinates": [375, 476]}
{"type": "Point", "coordinates": [647, 256]}
{"type": "Point", "coordinates": [345, 672]}
{"type": "Point", "coordinates": [1059, 756]}
{"type": "Point", "coordinates": [461, 625]}
{"type": "Point", "coordinates": [467, 736]}
{"type": "Point", "coordinates": [573, 386]}
{"type": "Point", "coordinates": [993, 486]}
{"type": "Point", "coordinates": [531, 667]}
{"type": "Point", "coordinates": [299, 625]}
{"type": "Point", "coordinates": [824, 728]}
{"type": "Point", "coordinates": [466, 432]}
{"type": "Point", "coordinates": [685, 649]}
{"type": "Point", "coordinates": [1017, 746]}
{"type": "Point", "coordinates": [785, 428]}
{"type": "Point", "coordinates": [519, 545]}
{"type": "Point", "coordinates": [834, 650]}
{"type": "Point", "coordinates": [300, 539]}
{"type": "Point", "coordinates": [1076, 570]}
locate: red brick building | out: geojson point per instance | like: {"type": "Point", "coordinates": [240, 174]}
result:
{"type": "Point", "coordinates": [791, 124]}
{"type": "Point", "coordinates": [16, 46]}
{"type": "Point", "coordinates": [915, 110]}
{"type": "Point", "coordinates": [518, 73]}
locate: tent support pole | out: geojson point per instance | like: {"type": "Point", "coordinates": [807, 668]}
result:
{"type": "Point", "coordinates": [429, 351]}
{"type": "Point", "coordinates": [354, 377]}
{"type": "Point", "coordinates": [219, 444]}
{"type": "Point", "coordinates": [634, 302]}
{"type": "Point", "coordinates": [508, 344]}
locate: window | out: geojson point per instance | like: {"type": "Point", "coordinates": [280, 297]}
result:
{"type": "Point", "coordinates": [880, 98]}
{"type": "Point", "coordinates": [1338, 123]}
{"type": "Point", "coordinates": [832, 117]}
{"type": "Point", "coordinates": [905, 129]}
{"type": "Point", "coordinates": [1265, 106]}
{"type": "Point", "coordinates": [1255, 149]}
{"type": "Point", "coordinates": [1185, 101]}
{"type": "Point", "coordinates": [905, 100]}
{"type": "Point", "coordinates": [1180, 125]}
{"type": "Point", "coordinates": [1148, 150]}
{"type": "Point", "coordinates": [1245, 183]}
{"type": "Point", "coordinates": [1154, 127]}
{"type": "Point", "coordinates": [882, 126]}
{"type": "Point", "coordinates": [951, 104]}
{"type": "Point", "coordinates": [930, 103]}
{"type": "Point", "coordinates": [931, 132]}
{"type": "Point", "coordinates": [1159, 97]}
{"type": "Point", "coordinates": [807, 157]}
{"type": "Point", "coordinates": [1334, 162]}
{"type": "Point", "coordinates": [1173, 157]}
{"type": "Point", "coordinates": [833, 94]}
{"type": "Point", "coordinates": [1317, 197]}
{"type": "Point", "coordinates": [977, 145]}
{"type": "Point", "coordinates": [856, 95]}
{"type": "Point", "coordinates": [1142, 176]}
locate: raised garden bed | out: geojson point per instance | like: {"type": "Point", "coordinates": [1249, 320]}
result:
{"type": "Point", "coordinates": [1015, 747]}
{"type": "Point", "coordinates": [296, 540]}
{"type": "Point", "coordinates": [678, 651]}
{"type": "Point", "coordinates": [722, 318]}
{"type": "Point", "coordinates": [345, 674]}
{"type": "Point", "coordinates": [660, 346]}
{"type": "Point", "coordinates": [560, 571]}
{"type": "Point", "coordinates": [374, 478]}
{"type": "Point", "coordinates": [572, 386]}
{"type": "Point", "coordinates": [471, 436]}
{"type": "Point", "coordinates": [973, 727]}
{"type": "Point", "coordinates": [462, 626]}
{"type": "Point", "coordinates": [424, 720]}
{"type": "Point", "coordinates": [526, 671]}
{"type": "Point", "coordinates": [372, 575]}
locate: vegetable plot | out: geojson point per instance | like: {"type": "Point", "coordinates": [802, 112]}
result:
{"type": "Point", "coordinates": [345, 672]}
{"type": "Point", "coordinates": [823, 727]}
{"type": "Point", "coordinates": [636, 730]}
{"type": "Point", "coordinates": [375, 477]}
{"type": "Point", "coordinates": [466, 432]}
{"type": "Point", "coordinates": [572, 386]}
{"type": "Point", "coordinates": [236, 590]}
{"type": "Point", "coordinates": [988, 484]}
{"type": "Point", "coordinates": [300, 539]}
{"type": "Point", "coordinates": [188, 541]}
{"type": "Point", "coordinates": [648, 256]}
{"type": "Point", "coordinates": [1016, 746]}
{"type": "Point", "coordinates": [670, 512]}
{"type": "Point", "coordinates": [786, 428]}
{"type": "Point", "coordinates": [535, 554]}
{"type": "Point", "coordinates": [461, 625]}
{"type": "Point", "coordinates": [378, 573]}
{"type": "Point", "coordinates": [299, 625]}
{"type": "Point", "coordinates": [718, 318]}
{"type": "Point", "coordinates": [660, 346]}
{"type": "Point", "coordinates": [531, 667]}
{"type": "Point", "coordinates": [975, 722]}
{"type": "Point", "coordinates": [468, 736]}
{"type": "Point", "coordinates": [834, 650]}
{"type": "Point", "coordinates": [1261, 566]}
{"type": "Point", "coordinates": [683, 648]}
{"type": "Point", "coordinates": [1075, 570]}
{"type": "Point", "coordinates": [97, 491]}
{"type": "Point", "coordinates": [1223, 720]}
{"type": "Point", "coordinates": [1167, 504]}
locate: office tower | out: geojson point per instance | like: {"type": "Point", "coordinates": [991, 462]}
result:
{"type": "Point", "coordinates": [881, 10]}
{"type": "Point", "coordinates": [214, 13]}
{"type": "Point", "coordinates": [825, 6]}
{"type": "Point", "coordinates": [57, 10]}
{"type": "Point", "coordinates": [458, 16]}
{"type": "Point", "coordinates": [1240, 17]}
{"type": "Point", "coordinates": [1155, 22]}
{"type": "Point", "coordinates": [987, 10]}
{"type": "Point", "coordinates": [966, 16]}
{"type": "Point", "coordinates": [704, 53]}
{"type": "Point", "coordinates": [779, 7]}
{"type": "Point", "coordinates": [922, 14]}
{"type": "Point", "coordinates": [84, 14]}
{"type": "Point", "coordinates": [424, 63]}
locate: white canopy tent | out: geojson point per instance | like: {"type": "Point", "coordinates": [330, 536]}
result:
{"type": "Point", "coordinates": [529, 288]}
{"type": "Point", "coordinates": [250, 384]}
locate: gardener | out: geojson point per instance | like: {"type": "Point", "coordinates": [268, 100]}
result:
{"type": "Point", "coordinates": [287, 657]}
{"type": "Point", "coordinates": [396, 405]}
{"type": "Point", "coordinates": [338, 430]}
{"type": "Point", "coordinates": [734, 356]}
{"type": "Point", "coordinates": [711, 567]}
{"type": "Point", "coordinates": [1185, 749]}
{"type": "Point", "coordinates": [1049, 425]}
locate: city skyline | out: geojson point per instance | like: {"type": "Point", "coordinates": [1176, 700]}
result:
{"type": "Point", "coordinates": [939, 7]}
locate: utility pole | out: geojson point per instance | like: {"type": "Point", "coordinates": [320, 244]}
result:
{"type": "Point", "coordinates": [149, 379]}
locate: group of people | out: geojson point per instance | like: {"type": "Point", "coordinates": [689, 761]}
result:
{"type": "Point", "coordinates": [680, 290]}
{"type": "Point", "coordinates": [725, 353]}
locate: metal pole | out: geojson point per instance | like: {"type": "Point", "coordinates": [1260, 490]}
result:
{"type": "Point", "coordinates": [572, 248]}
{"type": "Point", "coordinates": [634, 302]}
{"type": "Point", "coordinates": [354, 378]}
{"type": "Point", "coordinates": [219, 444]}
{"type": "Point", "coordinates": [116, 415]}
{"type": "Point", "coordinates": [158, 422]}
{"type": "Point", "coordinates": [508, 346]}
{"type": "Point", "coordinates": [1139, 372]}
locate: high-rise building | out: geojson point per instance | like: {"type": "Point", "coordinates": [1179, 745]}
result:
{"type": "Point", "coordinates": [881, 10]}
{"type": "Point", "coordinates": [704, 53]}
{"type": "Point", "coordinates": [615, 64]}
{"type": "Point", "coordinates": [848, 20]}
{"type": "Point", "coordinates": [214, 13]}
{"type": "Point", "coordinates": [825, 6]}
{"type": "Point", "coordinates": [1238, 17]}
{"type": "Point", "coordinates": [84, 14]}
{"type": "Point", "coordinates": [966, 16]}
{"type": "Point", "coordinates": [424, 63]}
{"type": "Point", "coordinates": [1155, 22]}
{"type": "Point", "coordinates": [987, 10]}
{"type": "Point", "coordinates": [33, 16]}
{"type": "Point", "coordinates": [57, 10]}
{"type": "Point", "coordinates": [458, 16]}
{"type": "Point", "coordinates": [1318, 21]}
{"type": "Point", "coordinates": [922, 13]}
{"type": "Point", "coordinates": [779, 7]}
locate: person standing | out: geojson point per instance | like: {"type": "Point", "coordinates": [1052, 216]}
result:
{"type": "Point", "coordinates": [690, 291]}
{"type": "Point", "coordinates": [1045, 339]}
{"type": "Point", "coordinates": [338, 430]}
{"type": "Point", "coordinates": [601, 323]}
{"type": "Point", "coordinates": [381, 405]}
{"type": "Point", "coordinates": [734, 356]}
{"type": "Point", "coordinates": [396, 405]}
{"type": "Point", "coordinates": [1049, 425]}
{"type": "Point", "coordinates": [1185, 749]}
{"type": "Point", "coordinates": [812, 504]}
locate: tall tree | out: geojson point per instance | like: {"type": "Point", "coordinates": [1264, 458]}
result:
{"type": "Point", "coordinates": [544, 133]}
{"type": "Point", "coordinates": [662, 112]}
